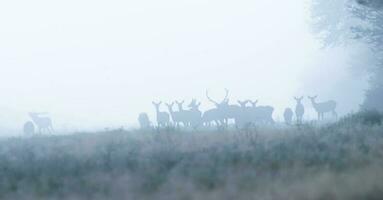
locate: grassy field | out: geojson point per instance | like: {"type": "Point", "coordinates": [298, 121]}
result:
{"type": "Point", "coordinates": [343, 160]}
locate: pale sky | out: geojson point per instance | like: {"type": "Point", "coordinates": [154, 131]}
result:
{"type": "Point", "coordinates": [92, 63]}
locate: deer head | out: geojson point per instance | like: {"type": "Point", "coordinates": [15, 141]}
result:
{"type": "Point", "coordinates": [253, 103]}
{"type": "Point", "coordinates": [298, 99]}
{"type": "Point", "coordinates": [157, 105]}
{"type": "Point", "coordinates": [312, 98]}
{"type": "Point", "coordinates": [242, 103]}
{"type": "Point", "coordinates": [170, 106]}
{"type": "Point", "coordinates": [194, 105]}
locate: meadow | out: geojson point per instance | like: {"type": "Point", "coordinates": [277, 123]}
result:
{"type": "Point", "coordinates": [340, 160]}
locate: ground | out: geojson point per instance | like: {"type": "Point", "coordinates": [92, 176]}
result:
{"type": "Point", "coordinates": [341, 160]}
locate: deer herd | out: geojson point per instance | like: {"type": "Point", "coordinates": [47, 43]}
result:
{"type": "Point", "coordinates": [243, 114]}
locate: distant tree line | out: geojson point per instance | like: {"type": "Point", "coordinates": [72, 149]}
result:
{"type": "Point", "coordinates": [342, 22]}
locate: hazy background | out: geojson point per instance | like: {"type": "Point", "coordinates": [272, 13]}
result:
{"type": "Point", "coordinates": [95, 64]}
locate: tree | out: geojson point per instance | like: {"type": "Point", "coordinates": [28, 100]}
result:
{"type": "Point", "coordinates": [346, 21]}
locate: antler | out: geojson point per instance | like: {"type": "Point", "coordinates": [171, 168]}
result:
{"type": "Point", "coordinates": [211, 100]}
{"type": "Point", "coordinates": [226, 95]}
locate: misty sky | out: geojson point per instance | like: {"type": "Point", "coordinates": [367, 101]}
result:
{"type": "Point", "coordinates": [92, 63]}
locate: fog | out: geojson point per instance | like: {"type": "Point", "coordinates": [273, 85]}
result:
{"type": "Point", "coordinates": [96, 64]}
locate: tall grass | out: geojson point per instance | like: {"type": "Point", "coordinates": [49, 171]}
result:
{"type": "Point", "coordinates": [338, 161]}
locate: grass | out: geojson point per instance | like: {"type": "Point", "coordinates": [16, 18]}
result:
{"type": "Point", "coordinates": [337, 161]}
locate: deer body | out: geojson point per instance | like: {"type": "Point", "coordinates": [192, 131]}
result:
{"type": "Point", "coordinates": [243, 117]}
{"type": "Point", "coordinates": [323, 107]}
{"type": "Point", "coordinates": [221, 113]}
{"type": "Point", "coordinates": [162, 117]}
{"type": "Point", "coordinates": [42, 123]}
{"type": "Point", "coordinates": [195, 116]}
{"type": "Point", "coordinates": [262, 114]}
{"type": "Point", "coordinates": [175, 115]}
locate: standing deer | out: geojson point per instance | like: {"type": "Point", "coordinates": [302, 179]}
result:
{"type": "Point", "coordinates": [299, 109]}
{"type": "Point", "coordinates": [176, 115]}
{"type": "Point", "coordinates": [183, 114]}
{"type": "Point", "coordinates": [144, 121]}
{"type": "Point", "coordinates": [261, 114]}
{"type": "Point", "coordinates": [42, 123]}
{"type": "Point", "coordinates": [288, 116]}
{"type": "Point", "coordinates": [243, 118]}
{"type": "Point", "coordinates": [323, 107]}
{"type": "Point", "coordinates": [219, 114]}
{"type": "Point", "coordinates": [195, 115]}
{"type": "Point", "coordinates": [162, 117]}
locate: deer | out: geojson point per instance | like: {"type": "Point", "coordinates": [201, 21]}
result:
{"type": "Point", "coordinates": [195, 115]}
{"type": "Point", "coordinates": [162, 117]}
{"type": "Point", "coordinates": [288, 116]}
{"type": "Point", "coordinates": [216, 114]}
{"type": "Point", "coordinates": [299, 109]}
{"type": "Point", "coordinates": [42, 123]}
{"type": "Point", "coordinates": [29, 128]}
{"type": "Point", "coordinates": [144, 121]}
{"type": "Point", "coordinates": [323, 107]}
{"type": "Point", "coordinates": [243, 117]}
{"type": "Point", "coordinates": [175, 115]}
{"type": "Point", "coordinates": [261, 114]}
{"type": "Point", "coordinates": [183, 114]}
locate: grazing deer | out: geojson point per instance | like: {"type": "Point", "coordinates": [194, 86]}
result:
{"type": "Point", "coordinates": [299, 109]}
{"type": "Point", "coordinates": [176, 115]}
{"type": "Point", "coordinates": [162, 117]}
{"type": "Point", "coordinates": [261, 114]}
{"type": "Point", "coordinates": [144, 121]}
{"type": "Point", "coordinates": [288, 116]}
{"type": "Point", "coordinates": [323, 107]}
{"type": "Point", "coordinates": [42, 123]}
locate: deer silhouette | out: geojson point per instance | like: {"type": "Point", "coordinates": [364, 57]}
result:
{"type": "Point", "coordinates": [176, 115]}
{"type": "Point", "coordinates": [299, 109]}
{"type": "Point", "coordinates": [29, 128]}
{"type": "Point", "coordinates": [220, 114]}
{"type": "Point", "coordinates": [261, 114]}
{"type": "Point", "coordinates": [184, 115]}
{"type": "Point", "coordinates": [43, 123]}
{"type": "Point", "coordinates": [195, 115]}
{"type": "Point", "coordinates": [323, 107]}
{"type": "Point", "coordinates": [228, 111]}
{"type": "Point", "coordinates": [243, 117]}
{"type": "Point", "coordinates": [144, 121]}
{"type": "Point", "coordinates": [288, 116]}
{"type": "Point", "coordinates": [162, 117]}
